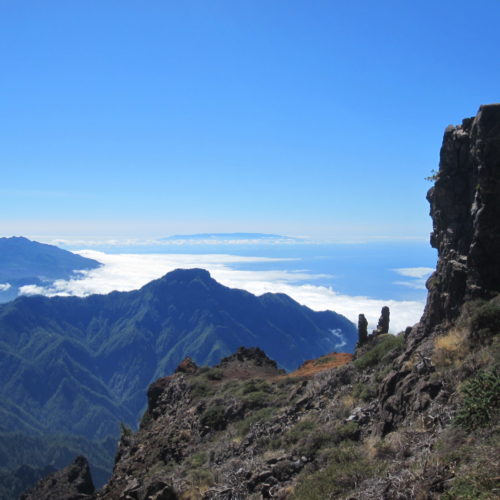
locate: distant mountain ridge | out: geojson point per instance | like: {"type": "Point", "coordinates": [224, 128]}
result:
{"type": "Point", "coordinates": [25, 262]}
{"type": "Point", "coordinates": [79, 366]}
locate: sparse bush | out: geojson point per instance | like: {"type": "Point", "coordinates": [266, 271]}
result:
{"type": "Point", "coordinates": [201, 477]}
{"type": "Point", "coordinates": [365, 392]}
{"type": "Point", "coordinates": [485, 322]}
{"type": "Point", "coordinates": [375, 355]}
{"type": "Point", "coordinates": [481, 398]}
{"type": "Point", "coordinates": [197, 459]}
{"type": "Point", "coordinates": [213, 417]}
{"type": "Point", "coordinates": [254, 393]}
{"type": "Point", "coordinates": [349, 430]}
{"type": "Point", "coordinates": [215, 374]}
{"type": "Point", "coordinates": [125, 430]}
{"type": "Point", "coordinates": [469, 488]}
{"type": "Point", "coordinates": [347, 467]}
{"type": "Point", "coordinates": [287, 381]}
{"type": "Point", "coordinates": [200, 388]}
{"type": "Point", "coordinates": [255, 385]}
{"type": "Point", "coordinates": [243, 426]}
{"type": "Point", "coordinates": [433, 176]}
{"type": "Point", "coordinates": [299, 431]}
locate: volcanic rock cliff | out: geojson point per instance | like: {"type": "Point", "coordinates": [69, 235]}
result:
{"type": "Point", "coordinates": [465, 210]}
{"type": "Point", "coordinates": [414, 416]}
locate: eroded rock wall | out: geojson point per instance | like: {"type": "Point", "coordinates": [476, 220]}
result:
{"type": "Point", "coordinates": [465, 210]}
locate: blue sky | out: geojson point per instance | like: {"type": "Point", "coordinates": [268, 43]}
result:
{"type": "Point", "coordinates": [316, 118]}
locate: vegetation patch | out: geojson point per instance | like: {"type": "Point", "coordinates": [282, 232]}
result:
{"type": "Point", "coordinates": [243, 426]}
{"type": "Point", "coordinates": [450, 349]}
{"type": "Point", "coordinates": [375, 355]}
{"type": "Point", "coordinates": [347, 467]}
{"type": "Point", "coordinates": [485, 322]}
{"type": "Point", "coordinates": [214, 374]}
{"type": "Point", "coordinates": [214, 417]}
{"type": "Point", "coordinates": [364, 391]}
{"type": "Point", "coordinates": [481, 398]}
{"type": "Point", "coordinates": [200, 388]}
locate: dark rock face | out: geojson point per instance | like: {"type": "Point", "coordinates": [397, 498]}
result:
{"type": "Point", "coordinates": [71, 483]}
{"type": "Point", "coordinates": [383, 321]}
{"type": "Point", "coordinates": [362, 329]}
{"type": "Point", "coordinates": [254, 355]}
{"type": "Point", "coordinates": [465, 210]}
{"type": "Point", "coordinates": [187, 365]}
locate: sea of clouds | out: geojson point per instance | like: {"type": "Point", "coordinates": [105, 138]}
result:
{"type": "Point", "coordinates": [126, 272]}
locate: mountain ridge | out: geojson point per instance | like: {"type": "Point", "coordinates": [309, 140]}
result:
{"type": "Point", "coordinates": [79, 366]}
{"type": "Point", "coordinates": [25, 262]}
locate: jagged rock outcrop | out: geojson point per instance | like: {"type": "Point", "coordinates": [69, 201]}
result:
{"type": "Point", "coordinates": [383, 321]}
{"type": "Point", "coordinates": [180, 419]}
{"type": "Point", "coordinates": [362, 329]}
{"type": "Point", "coordinates": [465, 210]}
{"type": "Point", "coordinates": [71, 483]}
{"type": "Point", "coordinates": [249, 361]}
{"type": "Point", "coordinates": [187, 365]}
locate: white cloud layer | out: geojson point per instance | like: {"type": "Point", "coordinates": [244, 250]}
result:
{"type": "Point", "coordinates": [415, 272]}
{"type": "Point", "coordinates": [4, 287]}
{"type": "Point", "coordinates": [131, 271]}
{"type": "Point", "coordinates": [418, 276]}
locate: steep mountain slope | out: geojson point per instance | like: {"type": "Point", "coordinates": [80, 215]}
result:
{"type": "Point", "coordinates": [79, 366]}
{"type": "Point", "coordinates": [414, 416]}
{"type": "Point", "coordinates": [25, 262]}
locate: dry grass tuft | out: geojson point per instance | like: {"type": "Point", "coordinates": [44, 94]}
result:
{"type": "Point", "coordinates": [450, 349]}
{"type": "Point", "coordinates": [314, 366]}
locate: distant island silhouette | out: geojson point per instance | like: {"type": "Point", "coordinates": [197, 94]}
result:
{"type": "Point", "coordinates": [229, 236]}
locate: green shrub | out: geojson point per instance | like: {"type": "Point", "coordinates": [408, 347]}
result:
{"type": "Point", "coordinates": [471, 488]}
{"type": "Point", "coordinates": [200, 388]}
{"type": "Point", "coordinates": [258, 399]}
{"type": "Point", "coordinates": [481, 398]}
{"type": "Point", "coordinates": [299, 430]}
{"type": "Point", "coordinates": [243, 426]}
{"type": "Point", "coordinates": [350, 430]}
{"type": "Point", "coordinates": [213, 417]}
{"type": "Point", "coordinates": [385, 345]}
{"type": "Point", "coordinates": [201, 477]}
{"type": "Point", "coordinates": [347, 467]}
{"type": "Point", "coordinates": [125, 430]}
{"type": "Point", "coordinates": [255, 385]}
{"type": "Point", "coordinates": [364, 391]}
{"type": "Point", "coordinates": [215, 374]}
{"type": "Point", "coordinates": [485, 321]}
{"type": "Point", "coordinates": [196, 460]}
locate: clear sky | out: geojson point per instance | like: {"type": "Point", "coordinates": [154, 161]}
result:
{"type": "Point", "coordinates": [301, 117]}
